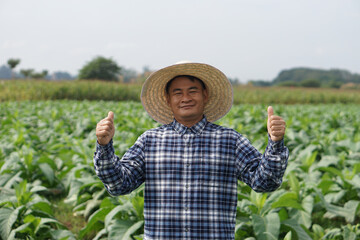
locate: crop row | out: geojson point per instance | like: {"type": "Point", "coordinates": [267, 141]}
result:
{"type": "Point", "coordinates": [46, 150]}
{"type": "Point", "coordinates": [20, 90]}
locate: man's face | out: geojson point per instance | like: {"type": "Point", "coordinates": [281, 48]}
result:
{"type": "Point", "coordinates": [187, 100]}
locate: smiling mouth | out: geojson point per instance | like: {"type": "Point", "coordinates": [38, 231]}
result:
{"type": "Point", "coordinates": [187, 106]}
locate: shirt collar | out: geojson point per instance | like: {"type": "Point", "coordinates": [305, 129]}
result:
{"type": "Point", "coordinates": [196, 129]}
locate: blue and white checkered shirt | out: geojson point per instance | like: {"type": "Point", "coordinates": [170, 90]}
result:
{"type": "Point", "coordinates": [190, 177]}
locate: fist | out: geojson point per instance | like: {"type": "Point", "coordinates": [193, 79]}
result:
{"type": "Point", "coordinates": [275, 125]}
{"type": "Point", "coordinates": [105, 129]}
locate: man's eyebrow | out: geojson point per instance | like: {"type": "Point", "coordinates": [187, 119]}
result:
{"type": "Point", "coordinates": [190, 88]}
{"type": "Point", "coordinates": [176, 89]}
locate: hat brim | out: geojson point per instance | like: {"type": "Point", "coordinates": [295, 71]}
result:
{"type": "Point", "coordinates": [220, 92]}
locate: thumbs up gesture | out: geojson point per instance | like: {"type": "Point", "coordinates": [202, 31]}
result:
{"type": "Point", "coordinates": [275, 125]}
{"type": "Point", "coordinates": [105, 129]}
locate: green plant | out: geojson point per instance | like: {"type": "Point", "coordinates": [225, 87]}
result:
{"type": "Point", "coordinates": [46, 150]}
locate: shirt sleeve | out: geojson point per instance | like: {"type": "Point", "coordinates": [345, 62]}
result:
{"type": "Point", "coordinates": [262, 172]}
{"type": "Point", "coordinates": [120, 176]}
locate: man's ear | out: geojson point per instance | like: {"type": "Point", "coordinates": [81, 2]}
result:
{"type": "Point", "coordinates": [206, 96]}
{"type": "Point", "coordinates": [167, 99]}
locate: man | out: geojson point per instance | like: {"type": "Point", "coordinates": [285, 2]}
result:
{"type": "Point", "coordinates": [190, 166]}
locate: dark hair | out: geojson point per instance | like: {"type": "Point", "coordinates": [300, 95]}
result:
{"type": "Point", "coordinates": [191, 78]}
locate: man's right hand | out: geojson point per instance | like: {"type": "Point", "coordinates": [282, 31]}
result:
{"type": "Point", "coordinates": [105, 129]}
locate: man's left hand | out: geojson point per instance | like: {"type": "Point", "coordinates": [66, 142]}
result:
{"type": "Point", "coordinates": [275, 125]}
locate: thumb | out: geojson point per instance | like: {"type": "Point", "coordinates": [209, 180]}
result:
{"type": "Point", "coordinates": [270, 111]}
{"type": "Point", "coordinates": [111, 115]}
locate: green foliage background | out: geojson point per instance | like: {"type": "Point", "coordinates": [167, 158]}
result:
{"type": "Point", "coordinates": [46, 150]}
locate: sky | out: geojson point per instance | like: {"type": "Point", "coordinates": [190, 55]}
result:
{"type": "Point", "coordinates": [246, 39]}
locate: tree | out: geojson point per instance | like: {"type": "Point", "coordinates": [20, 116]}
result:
{"type": "Point", "coordinates": [12, 64]}
{"type": "Point", "coordinates": [100, 68]}
{"type": "Point", "coordinates": [27, 72]}
{"type": "Point", "coordinates": [312, 83]}
{"type": "Point", "coordinates": [40, 75]}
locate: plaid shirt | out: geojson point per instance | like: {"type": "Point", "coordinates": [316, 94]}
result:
{"type": "Point", "coordinates": [190, 177]}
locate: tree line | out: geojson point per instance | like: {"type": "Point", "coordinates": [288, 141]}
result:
{"type": "Point", "coordinates": [27, 73]}
{"type": "Point", "coordinates": [107, 69]}
{"type": "Point", "coordinates": [315, 78]}
{"type": "Point", "coordinates": [99, 68]}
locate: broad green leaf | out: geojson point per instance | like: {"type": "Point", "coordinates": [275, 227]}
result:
{"type": "Point", "coordinates": [121, 208]}
{"type": "Point", "coordinates": [48, 172]}
{"type": "Point", "coordinates": [258, 199]}
{"type": "Point", "coordinates": [310, 159]}
{"type": "Point", "coordinates": [270, 200]}
{"type": "Point", "coordinates": [348, 211]}
{"type": "Point", "coordinates": [123, 230]}
{"type": "Point", "coordinates": [294, 183]}
{"type": "Point", "coordinates": [138, 204]}
{"type": "Point", "coordinates": [8, 180]}
{"type": "Point", "coordinates": [289, 199]}
{"type": "Point", "coordinates": [318, 231]}
{"type": "Point", "coordinates": [90, 206]}
{"type": "Point", "coordinates": [356, 181]}
{"type": "Point", "coordinates": [267, 227]}
{"type": "Point", "coordinates": [62, 234]}
{"type": "Point", "coordinates": [42, 206]}
{"type": "Point", "coordinates": [334, 171]}
{"type": "Point", "coordinates": [46, 222]}
{"type": "Point", "coordinates": [308, 203]}
{"type": "Point", "coordinates": [141, 237]}
{"type": "Point", "coordinates": [98, 216]}
{"type": "Point", "coordinates": [24, 228]}
{"type": "Point", "coordinates": [349, 235]}
{"type": "Point", "coordinates": [22, 195]}
{"type": "Point", "coordinates": [326, 161]}
{"type": "Point", "coordinates": [297, 229]}
{"type": "Point", "coordinates": [288, 236]}
{"type": "Point", "coordinates": [332, 233]}
{"type": "Point", "coordinates": [325, 185]}
{"type": "Point", "coordinates": [302, 217]}
{"type": "Point", "coordinates": [8, 218]}
{"type": "Point", "coordinates": [101, 234]}
{"type": "Point", "coordinates": [38, 188]}
{"type": "Point", "coordinates": [335, 197]}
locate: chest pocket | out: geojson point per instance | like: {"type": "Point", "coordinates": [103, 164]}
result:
{"type": "Point", "coordinates": [215, 170]}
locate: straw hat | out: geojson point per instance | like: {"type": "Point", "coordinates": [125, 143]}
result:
{"type": "Point", "coordinates": [153, 95]}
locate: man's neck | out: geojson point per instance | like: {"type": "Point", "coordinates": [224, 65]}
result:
{"type": "Point", "coordinates": [189, 122]}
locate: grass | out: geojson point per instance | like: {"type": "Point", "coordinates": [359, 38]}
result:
{"type": "Point", "coordinates": [64, 213]}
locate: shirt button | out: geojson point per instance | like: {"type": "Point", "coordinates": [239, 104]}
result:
{"type": "Point", "coordinates": [187, 186]}
{"type": "Point", "coordinates": [188, 164]}
{"type": "Point", "coordinates": [186, 229]}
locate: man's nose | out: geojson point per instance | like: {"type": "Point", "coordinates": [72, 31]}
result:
{"type": "Point", "coordinates": [186, 98]}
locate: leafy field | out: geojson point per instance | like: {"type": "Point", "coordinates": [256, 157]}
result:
{"type": "Point", "coordinates": [49, 190]}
